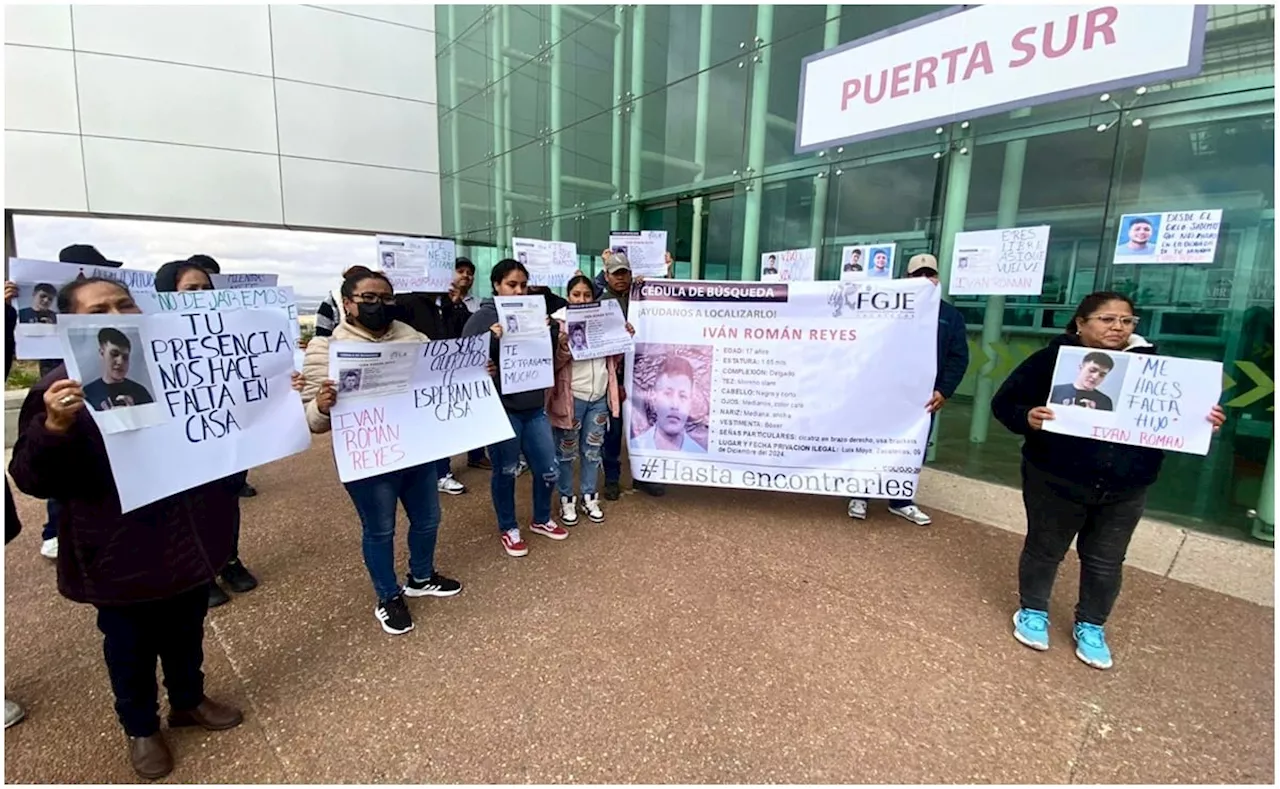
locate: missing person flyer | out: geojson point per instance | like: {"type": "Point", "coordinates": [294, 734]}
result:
{"type": "Point", "coordinates": [365, 369]}
{"type": "Point", "coordinates": [597, 330]}
{"type": "Point", "coordinates": [813, 387]}
{"type": "Point", "coordinates": [1143, 400]}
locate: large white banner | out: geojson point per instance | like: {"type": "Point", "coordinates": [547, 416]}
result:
{"type": "Point", "coordinates": [417, 265]}
{"type": "Point", "coordinates": [550, 263]}
{"type": "Point", "coordinates": [405, 404]}
{"type": "Point", "coordinates": [815, 387]}
{"type": "Point", "coordinates": [1007, 262]}
{"type": "Point", "coordinates": [1138, 399]}
{"type": "Point", "coordinates": [788, 265]}
{"type": "Point", "coordinates": [645, 249]}
{"type": "Point", "coordinates": [967, 62]}
{"type": "Point", "coordinates": [210, 390]}
{"type": "Point", "coordinates": [1170, 237]}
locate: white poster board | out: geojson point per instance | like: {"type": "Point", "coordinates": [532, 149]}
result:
{"type": "Point", "coordinates": [404, 404]}
{"type": "Point", "coordinates": [1143, 400]}
{"type": "Point", "coordinates": [550, 263]}
{"type": "Point", "coordinates": [1006, 262]}
{"type": "Point", "coordinates": [236, 281]}
{"type": "Point", "coordinates": [788, 265]}
{"type": "Point", "coordinates": [597, 330]}
{"type": "Point", "coordinates": [867, 261]}
{"type": "Point", "coordinates": [221, 381]}
{"type": "Point", "coordinates": [646, 249]}
{"type": "Point", "coordinates": [39, 281]}
{"type": "Point", "coordinates": [811, 387]}
{"type": "Point", "coordinates": [525, 348]}
{"type": "Point", "coordinates": [1170, 237]}
{"type": "Point", "coordinates": [242, 298]}
{"type": "Point", "coordinates": [417, 265]}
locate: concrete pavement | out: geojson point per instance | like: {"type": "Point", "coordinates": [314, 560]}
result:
{"type": "Point", "coordinates": [708, 636]}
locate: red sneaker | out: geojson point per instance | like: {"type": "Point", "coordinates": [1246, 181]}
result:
{"type": "Point", "coordinates": [550, 529]}
{"type": "Point", "coordinates": [513, 545]}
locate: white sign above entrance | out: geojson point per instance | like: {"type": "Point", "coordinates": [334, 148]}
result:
{"type": "Point", "coordinates": [967, 62]}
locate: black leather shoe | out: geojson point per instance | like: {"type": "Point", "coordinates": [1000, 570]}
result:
{"type": "Point", "coordinates": [248, 491]}
{"type": "Point", "coordinates": [612, 491]}
{"type": "Point", "coordinates": [236, 576]}
{"type": "Point", "coordinates": [217, 596]}
{"type": "Point", "coordinates": [150, 756]}
{"type": "Point", "coordinates": [210, 716]}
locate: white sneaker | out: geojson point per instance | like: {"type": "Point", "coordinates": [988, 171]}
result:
{"type": "Point", "coordinates": [858, 509]}
{"type": "Point", "coordinates": [569, 510]}
{"type": "Point", "coordinates": [49, 548]}
{"type": "Point", "coordinates": [451, 486]}
{"type": "Point", "coordinates": [592, 505]}
{"type": "Point", "coordinates": [13, 713]}
{"type": "Point", "coordinates": [912, 513]}
{"type": "Point", "coordinates": [522, 468]}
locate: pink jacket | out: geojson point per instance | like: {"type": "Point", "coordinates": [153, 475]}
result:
{"type": "Point", "coordinates": [560, 396]}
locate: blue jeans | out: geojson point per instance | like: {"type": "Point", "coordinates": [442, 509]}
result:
{"type": "Point", "coordinates": [613, 451]}
{"type": "Point", "coordinates": [585, 438]}
{"type": "Point", "coordinates": [375, 499]}
{"type": "Point", "coordinates": [51, 508]}
{"type": "Point", "coordinates": [444, 467]}
{"type": "Point", "coordinates": [533, 437]}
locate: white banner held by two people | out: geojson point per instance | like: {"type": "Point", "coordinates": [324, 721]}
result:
{"type": "Point", "coordinates": [812, 387]}
{"type": "Point", "coordinates": [404, 404]}
{"type": "Point", "coordinates": [212, 392]}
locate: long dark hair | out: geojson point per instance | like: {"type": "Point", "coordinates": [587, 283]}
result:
{"type": "Point", "coordinates": [505, 267]}
{"type": "Point", "coordinates": [67, 296]}
{"type": "Point", "coordinates": [581, 279]}
{"type": "Point", "coordinates": [1091, 303]}
{"type": "Point", "coordinates": [358, 274]}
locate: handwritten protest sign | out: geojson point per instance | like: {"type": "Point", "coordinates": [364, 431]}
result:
{"type": "Point", "coordinates": [867, 261]}
{"type": "Point", "coordinates": [1171, 237]}
{"type": "Point", "coordinates": [790, 265]}
{"type": "Point", "coordinates": [550, 263]}
{"type": "Point", "coordinates": [417, 265]}
{"type": "Point", "coordinates": [38, 281]}
{"type": "Point", "coordinates": [1142, 400]}
{"type": "Point", "coordinates": [1006, 262]}
{"type": "Point", "coordinates": [449, 406]}
{"type": "Point", "coordinates": [645, 249]}
{"type": "Point", "coordinates": [525, 348]}
{"type": "Point", "coordinates": [223, 380]}
{"type": "Point", "coordinates": [244, 298]}
{"type": "Point", "coordinates": [597, 330]}
{"type": "Point", "coordinates": [235, 281]}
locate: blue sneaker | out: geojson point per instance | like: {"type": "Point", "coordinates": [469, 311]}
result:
{"type": "Point", "coordinates": [1091, 645]}
{"type": "Point", "coordinates": [1031, 627]}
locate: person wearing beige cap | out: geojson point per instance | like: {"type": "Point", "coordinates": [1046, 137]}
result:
{"type": "Point", "coordinates": [953, 360]}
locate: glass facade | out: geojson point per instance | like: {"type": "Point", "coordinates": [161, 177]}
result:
{"type": "Point", "coordinates": [564, 122]}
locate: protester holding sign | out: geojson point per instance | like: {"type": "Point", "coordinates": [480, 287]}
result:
{"type": "Point", "coordinates": [368, 305]}
{"type": "Point", "coordinates": [147, 570]}
{"type": "Point", "coordinates": [1077, 487]}
{"type": "Point", "coordinates": [528, 416]}
{"type": "Point", "coordinates": [13, 712]}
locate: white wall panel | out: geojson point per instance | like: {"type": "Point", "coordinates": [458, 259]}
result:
{"type": "Point", "coordinates": [43, 172]}
{"type": "Point", "coordinates": [235, 37]}
{"type": "Point", "coordinates": [40, 90]}
{"type": "Point", "coordinates": [324, 48]}
{"type": "Point", "coordinates": [422, 16]}
{"type": "Point", "coordinates": [38, 25]}
{"type": "Point", "coordinates": [327, 194]}
{"type": "Point", "coordinates": [340, 125]}
{"type": "Point", "coordinates": [127, 177]}
{"type": "Point", "coordinates": [145, 100]}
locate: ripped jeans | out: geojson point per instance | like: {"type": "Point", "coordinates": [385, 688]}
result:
{"type": "Point", "coordinates": [585, 438]}
{"type": "Point", "coordinates": [533, 436]}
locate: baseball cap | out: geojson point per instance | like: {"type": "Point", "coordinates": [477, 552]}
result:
{"type": "Point", "coordinates": [923, 260]}
{"type": "Point", "coordinates": [207, 263]}
{"type": "Point", "coordinates": [86, 255]}
{"type": "Point", "coordinates": [617, 262]}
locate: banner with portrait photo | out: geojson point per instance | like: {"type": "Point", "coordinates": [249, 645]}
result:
{"type": "Point", "coordinates": [221, 381]}
{"type": "Point", "coordinates": [417, 265]}
{"type": "Point", "coordinates": [805, 387]}
{"type": "Point", "coordinates": [1143, 400]}
{"type": "Point", "coordinates": [1169, 237]}
{"type": "Point", "coordinates": [38, 281]}
{"type": "Point", "coordinates": [645, 249]}
{"type": "Point", "coordinates": [788, 265]}
{"type": "Point", "coordinates": [867, 261]}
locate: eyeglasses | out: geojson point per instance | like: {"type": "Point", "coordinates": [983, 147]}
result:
{"type": "Point", "coordinates": [373, 298]}
{"type": "Point", "coordinates": [1127, 321]}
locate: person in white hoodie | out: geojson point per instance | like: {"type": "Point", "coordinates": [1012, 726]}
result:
{"type": "Point", "coordinates": [369, 315]}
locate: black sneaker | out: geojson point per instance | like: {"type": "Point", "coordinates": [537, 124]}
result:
{"type": "Point", "coordinates": [611, 491]}
{"type": "Point", "coordinates": [393, 615]}
{"type": "Point", "coordinates": [435, 586]}
{"type": "Point", "coordinates": [655, 490]}
{"type": "Point", "coordinates": [238, 577]}
{"type": "Point", "coordinates": [217, 596]}
{"type": "Point", "coordinates": [248, 491]}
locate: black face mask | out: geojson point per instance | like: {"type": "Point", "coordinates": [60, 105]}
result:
{"type": "Point", "coordinates": [376, 317]}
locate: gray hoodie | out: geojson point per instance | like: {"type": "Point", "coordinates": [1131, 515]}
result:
{"type": "Point", "coordinates": [479, 323]}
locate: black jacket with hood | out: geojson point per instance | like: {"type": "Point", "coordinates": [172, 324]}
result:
{"type": "Point", "coordinates": [479, 323]}
{"type": "Point", "coordinates": [1101, 465]}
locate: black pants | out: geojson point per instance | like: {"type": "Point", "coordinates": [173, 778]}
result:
{"type": "Point", "coordinates": [1058, 511]}
{"type": "Point", "coordinates": [236, 482]}
{"type": "Point", "coordinates": [135, 636]}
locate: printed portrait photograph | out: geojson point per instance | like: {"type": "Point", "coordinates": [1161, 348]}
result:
{"type": "Point", "coordinates": [112, 367]}
{"type": "Point", "coordinates": [388, 260]}
{"type": "Point", "coordinates": [38, 304]}
{"type": "Point", "coordinates": [672, 397]}
{"type": "Point", "coordinates": [1139, 235]}
{"type": "Point", "coordinates": [881, 263]}
{"type": "Point", "coordinates": [1088, 378]}
{"type": "Point", "coordinates": [522, 258]}
{"type": "Point", "coordinates": [854, 261]}
{"type": "Point", "coordinates": [349, 380]}
{"type": "Point", "coordinates": [513, 325]}
{"type": "Point", "coordinates": [578, 335]}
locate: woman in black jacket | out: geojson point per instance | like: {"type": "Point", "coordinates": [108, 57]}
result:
{"type": "Point", "coordinates": [1072, 486]}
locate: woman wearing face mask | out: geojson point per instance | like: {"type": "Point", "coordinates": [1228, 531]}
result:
{"type": "Point", "coordinates": [186, 275]}
{"type": "Point", "coordinates": [1072, 486]}
{"type": "Point", "coordinates": [528, 416]}
{"type": "Point", "coordinates": [147, 571]}
{"type": "Point", "coordinates": [368, 303]}
{"type": "Point", "coordinates": [580, 405]}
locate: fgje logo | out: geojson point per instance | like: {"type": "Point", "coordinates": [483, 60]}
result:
{"type": "Point", "coordinates": [864, 299]}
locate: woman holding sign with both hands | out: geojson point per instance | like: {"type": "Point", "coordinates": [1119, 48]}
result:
{"type": "Point", "coordinates": [1073, 486]}
{"type": "Point", "coordinates": [369, 306]}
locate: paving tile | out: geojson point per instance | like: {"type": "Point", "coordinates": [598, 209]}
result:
{"type": "Point", "coordinates": [1229, 566]}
